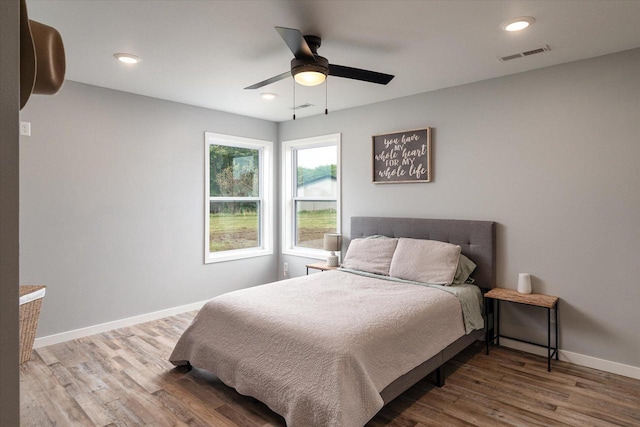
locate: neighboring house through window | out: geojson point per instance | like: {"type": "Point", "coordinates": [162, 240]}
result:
{"type": "Point", "coordinates": [310, 194]}
{"type": "Point", "coordinates": [238, 197]}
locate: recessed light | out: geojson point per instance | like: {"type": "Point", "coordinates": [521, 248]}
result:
{"type": "Point", "coordinates": [269, 96]}
{"type": "Point", "coordinates": [518, 24]}
{"type": "Point", "coordinates": [127, 58]}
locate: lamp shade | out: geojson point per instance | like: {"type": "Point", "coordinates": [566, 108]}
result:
{"type": "Point", "coordinates": [332, 242]}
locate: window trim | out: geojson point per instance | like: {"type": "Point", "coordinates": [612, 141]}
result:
{"type": "Point", "coordinates": [265, 198]}
{"type": "Point", "coordinates": [288, 199]}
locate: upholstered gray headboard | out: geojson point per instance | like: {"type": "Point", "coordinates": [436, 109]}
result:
{"type": "Point", "coordinates": [477, 238]}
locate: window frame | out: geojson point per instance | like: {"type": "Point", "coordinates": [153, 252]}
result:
{"type": "Point", "coordinates": [264, 199]}
{"type": "Point", "coordinates": [289, 197]}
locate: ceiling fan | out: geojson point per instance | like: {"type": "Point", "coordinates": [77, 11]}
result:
{"type": "Point", "coordinates": [310, 69]}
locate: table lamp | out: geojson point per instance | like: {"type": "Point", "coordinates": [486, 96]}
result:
{"type": "Point", "coordinates": [333, 243]}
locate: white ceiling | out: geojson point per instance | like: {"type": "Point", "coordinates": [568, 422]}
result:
{"type": "Point", "coordinates": [205, 52]}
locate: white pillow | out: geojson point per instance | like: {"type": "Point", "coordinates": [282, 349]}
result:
{"type": "Point", "coordinates": [426, 261]}
{"type": "Point", "coordinates": [370, 255]}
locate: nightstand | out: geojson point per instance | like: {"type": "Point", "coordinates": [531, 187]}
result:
{"type": "Point", "coordinates": [537, 300]}
{"type": "Point", "coordinates": [322, 266]}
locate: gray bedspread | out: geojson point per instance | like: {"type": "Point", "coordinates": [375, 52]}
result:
{"type": "Point", "coordinates": [470, 297]}
{"type": "Point", "coordinates": [318, 349]}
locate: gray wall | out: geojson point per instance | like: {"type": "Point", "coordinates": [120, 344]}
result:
{"type": "Point", "coordinates": [9, 238]}
{"type": "Point", "coordinates": [552, 156]}
{"type": "Point", "coordinates": [112, 206]}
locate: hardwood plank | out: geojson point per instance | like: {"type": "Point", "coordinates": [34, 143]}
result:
{"type": "Point", "coordinates": [511, 410]}
{"type": "Point", "coordinates": [39, 409]}
{"type": "Point", "coordinates": [123, 414]}
{"type": "Point", "coordinates": [96, 412]}
{"type": "Point", "coordinates": [46, 355]}
{"type": "Point", "coordinates": [144, 403]}
{"type": "Point", "coordinates": [192, 414]}
{"type": "Point", "coordinates": [444, 420]}
{"type": "Point", "coordinates": [580, 419]}
{"type": "Point", "coordinates": [143, 380]}
{"type": "Point", "coordinates": [122, 377]}
{"type": "Point", "coordinates": [207, 395]}
{"type": "Point", "coordinates": [239, 416]}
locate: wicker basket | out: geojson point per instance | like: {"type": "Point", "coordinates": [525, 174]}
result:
{"type": "Point", "coordinates": [29, 314]}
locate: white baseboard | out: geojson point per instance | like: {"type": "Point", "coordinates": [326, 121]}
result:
{"type": "Point", "coordinates": [116, 324]}
{"type": "Point", "coordinates": [577, 359]}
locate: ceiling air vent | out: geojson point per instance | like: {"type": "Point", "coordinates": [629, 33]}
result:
{"type": "Point", "coordinates": [301, 106]}
{"type": "Point", "coordinates": [542, 49]}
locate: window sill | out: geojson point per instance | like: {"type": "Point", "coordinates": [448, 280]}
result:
{"type": "Point", "coordinates": [236, 255]}
{"type": "Point", "coordinates": [308, 253]}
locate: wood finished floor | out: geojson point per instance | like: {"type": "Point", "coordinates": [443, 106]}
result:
{"type": "Point", "coordinates": [122, 378]}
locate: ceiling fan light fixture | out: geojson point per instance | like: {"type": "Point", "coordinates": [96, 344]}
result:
{"type": "Point", "coordinates": [309, 73]}
{"type": "Point", "coordinates": [309, 78]}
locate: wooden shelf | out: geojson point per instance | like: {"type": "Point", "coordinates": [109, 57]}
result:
{"type": "Point", "coordinates": [539, 300]}
{"type": "Point", "coordinates": [322, 266]}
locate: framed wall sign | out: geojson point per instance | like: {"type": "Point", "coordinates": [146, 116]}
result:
{"type": "Point", "coordinates": [402, 157]}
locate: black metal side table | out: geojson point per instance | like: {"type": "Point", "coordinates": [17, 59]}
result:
{"type": "Point", "coordinates": [537, 300]}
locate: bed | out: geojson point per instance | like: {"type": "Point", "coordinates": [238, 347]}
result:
{"type": "Point", "coordinates": [332, 348]}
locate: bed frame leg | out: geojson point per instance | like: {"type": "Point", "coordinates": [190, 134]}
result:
{"type": "Point", "coordinates": [439, 377]}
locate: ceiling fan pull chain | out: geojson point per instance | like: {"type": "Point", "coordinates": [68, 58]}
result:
{"type": "Point", "coordinates": [326, 85]}
{"type": "Point", "coordinates": [294, 99]}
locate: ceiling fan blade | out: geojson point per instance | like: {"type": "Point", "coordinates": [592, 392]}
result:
{"type": "Point", "coordinates": [271, 80]}
{"type": "Point", "coordinates": [359, 74]}
{"type": "Point", "coordinates": [296, 42]}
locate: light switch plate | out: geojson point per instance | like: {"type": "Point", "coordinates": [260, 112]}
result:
{"type": "Point", "coordinates": [25, 128]}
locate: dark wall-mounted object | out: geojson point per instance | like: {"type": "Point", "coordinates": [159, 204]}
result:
{"type": "Point", "coordinates": [42, 58]}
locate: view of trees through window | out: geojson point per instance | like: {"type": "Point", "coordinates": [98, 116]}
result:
{"type": "Point", "coordinates": [234, 190]}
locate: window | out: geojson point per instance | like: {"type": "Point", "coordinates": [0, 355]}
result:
{"type": "Point", "coordinates": [237, 198]}
{"type": "Point", "coordinates": [311, 194]}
